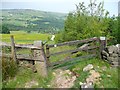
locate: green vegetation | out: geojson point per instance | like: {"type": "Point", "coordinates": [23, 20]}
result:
{"type": "Point", "coordinates": [22, 37]}
{"type": "Point", "coordinates": [26, 75]}
{"type": "Point", "coordinates": [89, 21]}
{"type": "Point", "coordinates": [9, 68]}
{"type": "Point", "coordinates": [33, 20]}
{"type": "Point", "coordinates": [5, 30]}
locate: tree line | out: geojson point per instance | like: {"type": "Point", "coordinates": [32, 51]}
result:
{"type": "Point", "coordinates": [90, 21]}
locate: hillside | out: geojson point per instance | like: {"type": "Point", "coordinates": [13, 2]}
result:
{"type": "Point", "coordinates": [33, 20]}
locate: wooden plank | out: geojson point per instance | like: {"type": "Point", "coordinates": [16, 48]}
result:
{"type": "Point", "coordinates": [29, 46]}
{"type": "Point", "coordinates": [71, 60]}
{"type": "Point", "coordinates": [74, 42]}
{"type": "Point", "coordinates": [75, 50]}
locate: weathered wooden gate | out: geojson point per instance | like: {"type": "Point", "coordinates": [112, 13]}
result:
{"type": "Point", "coordinates": [41, 56]}
{"type": "Point", "coordinates": [93, 45]}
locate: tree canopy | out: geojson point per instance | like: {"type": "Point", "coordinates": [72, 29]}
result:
{"type": "Point", "coordinates": [4, 29]}
{"type": "Point", "coordinates": [88, 21]}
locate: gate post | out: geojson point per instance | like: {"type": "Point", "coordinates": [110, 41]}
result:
{"type": "Point", "coordinates": [39, 56]}
{"type": "Point", "coordinates": [13, 50]}
{"type": "Point", "coordinates": [102, 45]}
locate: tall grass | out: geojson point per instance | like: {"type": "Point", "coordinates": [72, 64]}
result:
{"type": "Point", "coordinates": [9, 68]}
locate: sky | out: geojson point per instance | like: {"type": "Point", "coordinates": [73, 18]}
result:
{"type": "Point", "coordinates": [63, 6]}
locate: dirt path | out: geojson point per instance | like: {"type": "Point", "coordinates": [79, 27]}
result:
{"type": "Point", "coordinates": [63, 79]}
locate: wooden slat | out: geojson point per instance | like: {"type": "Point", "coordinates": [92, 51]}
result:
{"type": "Point", "coordinates": [72, 59]}
{"type": "Point", "coordinates": [29, 46]}
{"type": "Point", "coordinates": [75, 50]}
{"type": "Point", "coordinates": [74, 42]}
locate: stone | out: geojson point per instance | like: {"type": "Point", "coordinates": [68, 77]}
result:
{"type": "Point", "coordinates": [105, 53]}
{"type": "Point", "coordinates": [110, 58]}
{"type": "Point", "coordinates": [111, 49]}
{"type": "Point", "coordinates": [80, 83]}
{"type": "Point", "coordinates": [108, 76]}
{"type": "Point", "coordinates": [88, 67]}
{"type": "Point", "coordinates": [114, 55]}
{"type": "Point", "coordinates": [94, 77]}
{"type": "Point", "coordinates": [87, 85]}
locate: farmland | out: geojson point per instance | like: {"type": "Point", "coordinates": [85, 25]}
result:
{"type": "Point", "coordinates": [22, 37]}
{"type": "Point", "coordinates": [33, 20]}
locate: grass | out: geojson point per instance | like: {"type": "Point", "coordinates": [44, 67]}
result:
{"type": "Point", "coordinates": [25, 38]}
{"type": "Point", "coordinates": [26, 75]}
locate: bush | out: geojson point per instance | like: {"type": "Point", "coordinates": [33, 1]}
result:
{"type": "Point", "coordinates": [5, 30]}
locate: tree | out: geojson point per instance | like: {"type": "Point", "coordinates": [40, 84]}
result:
{"type": "Point", "coordinates": [5, 29]}
{"type": "Point", "coordinates": [86, 22]}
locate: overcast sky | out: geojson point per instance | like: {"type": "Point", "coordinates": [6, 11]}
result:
{"type": "Point", "coordinates": [63, 6]}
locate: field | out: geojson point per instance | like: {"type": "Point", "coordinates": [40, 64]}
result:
{"type": "Point", "coordinates": [24, 75]}
{"type": "Point", "coordinates": [22, 37]}
{"type": "Point", "coordinates": [33, 20]}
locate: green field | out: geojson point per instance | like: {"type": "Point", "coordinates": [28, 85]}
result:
{"type": "Point", "coordinates": [22, 37]}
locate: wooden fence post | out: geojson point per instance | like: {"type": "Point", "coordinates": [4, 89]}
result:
{"type": "Point", "coordinates": [47, 55]}
{"type": "Point", "coordinates": [13, 50]}
{"type": "Point", "coordinates": [39, 55]}
{"type": "Point", "coordinates": [102, 45]}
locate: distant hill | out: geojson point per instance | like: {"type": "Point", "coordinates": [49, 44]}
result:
{"type": "Point", "coordinates": [33, 20]}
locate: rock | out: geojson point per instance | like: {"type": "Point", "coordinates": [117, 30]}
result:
{"type": "Point", "coordinates": [108, 76]}
{"type": "Point", "coordinates": [90, 79]}
{"type": "Point", "coordinates": [105, 53]}
{"type": "Point", "coordinates": [112, 49]}
{"type": "Point", "coordinates": [88, 67]}
{"type": "Point", "coordinates": [115, 55]}
{"type": "Point", "coordinates": [92, 71]}
{"type": "Point", "coordinates": [80, 83]}
{"type": "Point", "coordinates": [87, 85]}
{"type": "Point", "coordinates": [94, 77]}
